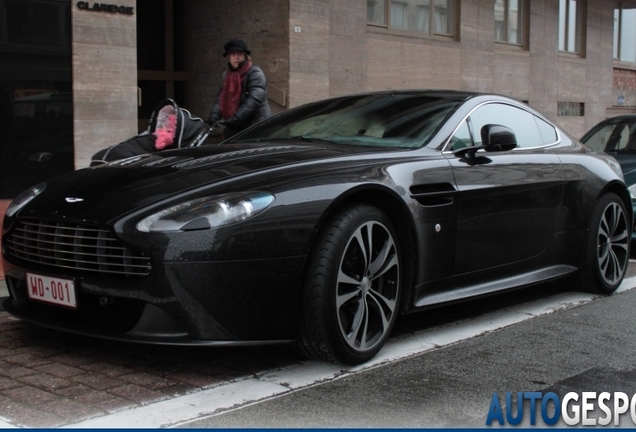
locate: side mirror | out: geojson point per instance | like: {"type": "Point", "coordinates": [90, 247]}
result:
{"type": "Point", "coordinates": [497, 138]}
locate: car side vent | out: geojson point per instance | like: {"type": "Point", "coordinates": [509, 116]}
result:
{"type": "Point", "coordinates": [433, 194]}
{"type": "Point", "coordinates": [78, 247]}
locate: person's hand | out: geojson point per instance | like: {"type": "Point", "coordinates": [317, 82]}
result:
{"type": "Point", "coordinates": [230, 122]}
{"type": "Point", "coordinates": [222, 122]}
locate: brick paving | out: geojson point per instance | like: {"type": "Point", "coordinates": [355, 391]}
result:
{"type": "Point", "coordinates": [52, 379]}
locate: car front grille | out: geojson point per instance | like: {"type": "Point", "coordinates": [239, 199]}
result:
{"type": "Point", "coordinates": [79, 247]}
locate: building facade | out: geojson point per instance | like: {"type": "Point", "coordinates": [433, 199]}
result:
{"type": "Point", "coordinates": [102, 68]}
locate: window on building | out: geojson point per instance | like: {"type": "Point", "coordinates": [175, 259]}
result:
{"type": "Point", "coordinates": [35, 23]}
{"type": "Point", "coordinates": [625, 32]}
{"type": "Point", "coordinates": [433, 17]}
{"type": "Point", "coordinates": [571, 109]}
{"type": "Point", "coordinates": [509, 26]}
{"type": "Point", "coordinates": [570, 26]}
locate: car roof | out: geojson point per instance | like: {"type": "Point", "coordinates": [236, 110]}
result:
{"type": "Point", "coordinates": [619, 119]}
{"type": "Point", "coordinates": [457, 95]}
{"type": "Point", "coordinates": [450, 94]}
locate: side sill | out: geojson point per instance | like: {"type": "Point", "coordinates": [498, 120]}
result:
{"type": "Point", "coordinates": [519, 281]}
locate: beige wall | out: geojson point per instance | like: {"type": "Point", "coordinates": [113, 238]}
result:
{"type": "Point", "coordinates": [348, 57]}
{"type": "Point", "coordinates": [313, 49]}
{"type": "Point", "coordinates": [104, 80]}
{"type": "Point", "coordinates": [308, 51]}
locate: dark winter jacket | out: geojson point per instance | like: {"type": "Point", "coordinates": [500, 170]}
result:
{"type": "Point", "coordinates": [253, 107]}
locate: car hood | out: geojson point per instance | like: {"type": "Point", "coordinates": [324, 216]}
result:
{"type": "Point", "coordinates": [101, 194]}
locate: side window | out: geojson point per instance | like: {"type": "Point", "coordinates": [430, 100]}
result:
{"type": "Point", "coordinates": [599, 139]}
{"type": "Point", "coordinates": [610, 138]}
{"type": "Point", "coordinates": [624, 137]}
{"type": "Point", "coordinates": [461, 138]}
{"type": "Point", "coordinates": [547, 131]}
{"type": "Point", "coordinates": [522, 123]}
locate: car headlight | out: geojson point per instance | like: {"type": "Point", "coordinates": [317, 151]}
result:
{"type": "Point", "coordinates": [209, 212]}
{"type": "Point", "coordinates": [632, 191]}
{"type": "Point", "coordinates": [614, 165]}
{"type": "Point", "coordinates": [23, 199]}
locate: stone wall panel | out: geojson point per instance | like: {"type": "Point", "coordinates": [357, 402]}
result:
{"type": "Point", "coordinates": [104, 80]}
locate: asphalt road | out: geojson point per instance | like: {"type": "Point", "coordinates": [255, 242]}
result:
{"type": "Point", "coordinates": [589, 348]}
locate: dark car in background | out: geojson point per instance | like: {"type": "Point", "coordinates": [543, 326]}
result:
{"type": "Point", "coordinates": [319, 226]}
{"type": "Point", "coordinates": [617, 137]}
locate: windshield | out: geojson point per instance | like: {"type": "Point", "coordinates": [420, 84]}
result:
{"type": "Point", "coordinates": [385, 120]}
{"type": "Point", "coordinates": [613, 137]}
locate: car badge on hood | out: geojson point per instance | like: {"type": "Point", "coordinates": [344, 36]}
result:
{"type": "Point", "coordinates": [73, 199]}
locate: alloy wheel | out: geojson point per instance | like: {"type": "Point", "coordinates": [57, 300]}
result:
{"type": "Point", "coordinates": [367, 286]}
{"type": "Point", "coordinates": [613, 244]}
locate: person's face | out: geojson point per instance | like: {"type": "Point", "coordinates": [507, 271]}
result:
{"type": "Point", "coordinates": [236, 58]}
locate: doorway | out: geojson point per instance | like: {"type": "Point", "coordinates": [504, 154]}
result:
{"type": "Point", "coordinates": [161, 55]}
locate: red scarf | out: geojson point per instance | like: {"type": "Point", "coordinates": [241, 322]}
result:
{"type": "Point", "coordinates": [231, 91]}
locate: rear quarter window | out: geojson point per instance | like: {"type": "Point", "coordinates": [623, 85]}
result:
{"type": "Point", "coordinates": [547, 131]}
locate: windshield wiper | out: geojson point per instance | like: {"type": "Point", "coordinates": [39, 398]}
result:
{"type": "Point", "coordinates": [312, 139]}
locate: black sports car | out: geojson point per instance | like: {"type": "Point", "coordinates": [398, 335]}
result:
{"type": "Point", "coordinates": [319, 226]}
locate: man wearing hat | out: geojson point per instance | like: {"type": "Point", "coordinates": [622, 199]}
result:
{"type": "Point", "coordinates": [242, 99]}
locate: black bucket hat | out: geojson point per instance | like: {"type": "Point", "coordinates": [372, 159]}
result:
{"type": "Point", "coordinates": [235, 45]}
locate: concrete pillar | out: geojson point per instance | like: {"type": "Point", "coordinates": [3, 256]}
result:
{"type": "Point", "coordinates": [104, 77]}
{"type": "Point", "coordinates": [308, 51]}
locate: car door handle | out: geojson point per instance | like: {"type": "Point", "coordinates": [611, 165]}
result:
{"type": "Point", "coordinates": [547, 172]}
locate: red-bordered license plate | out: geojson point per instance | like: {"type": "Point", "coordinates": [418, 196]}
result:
{"type": "Point", "coordinates": [51, 290]}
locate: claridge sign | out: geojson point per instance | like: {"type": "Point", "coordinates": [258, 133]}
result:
{"type": "Point", "coordinates": [103, 7]}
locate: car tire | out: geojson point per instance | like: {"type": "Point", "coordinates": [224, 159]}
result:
{"type": "Point", "coordinates": [607, 250]}
{"type": "Point", "coordinates": [352, 288]}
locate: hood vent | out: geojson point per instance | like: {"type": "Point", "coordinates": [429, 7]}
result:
{"type": "Point", "coordinates": [238, 154]}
